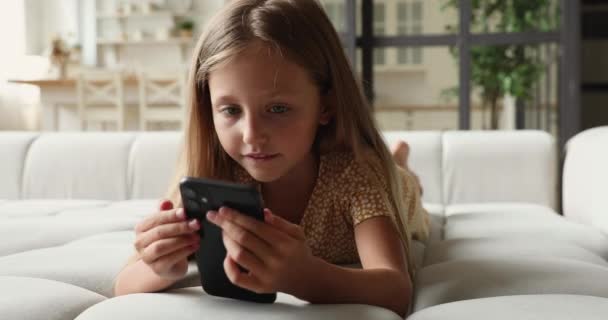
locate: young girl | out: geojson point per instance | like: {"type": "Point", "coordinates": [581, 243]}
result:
{"type": "Point", "coordinates": [275, 103]}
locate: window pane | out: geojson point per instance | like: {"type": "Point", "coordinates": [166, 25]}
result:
{"type": "Point", "coordinates": [414, 97]}
{"type": "Point", "coordinates": [379, 56]}
{"type": "Point", "coordinates": [416, 11]}
{"type": "Point", "coordinates": [379, 13]}
{"type": "Point", "coordinates": [416, 55]}
{"type": "Point", "coordinates": [335, 12]}
{"type": "Point", "coordinates": [403, 55]}
{"type": "Point", "coordinates": [515, 16]}
{"type": "Point", "coordinates": [433, 15]}
{"type": "Point", "coordinates": [402, 11]}
{"type": "Point", "coordinates": [526, 72]}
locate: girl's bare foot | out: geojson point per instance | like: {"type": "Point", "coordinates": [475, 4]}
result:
{"type": "Point", "coordinates": [401, 153]}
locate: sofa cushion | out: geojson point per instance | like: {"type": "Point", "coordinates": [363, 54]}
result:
{"type": "Point", "coordinates": [152, 164]}
{"type": "Point", "coordinates": [39, 299]}
{"type": "Point", "coordinates": [30, 208]}
{"type": "Point", "coordinates": [505, 247]}
{"type": "Point", "coordinates": [13, 147]}
{"type": "Point", "coordinates": [78, 165]}
{"type": "Point", "coordinates": [473, 209]}
{"type": "Point", "coordinates": [193, 303]}
{"type": "Point", "coordinates": [586, 178]}
{"type": "Point", "coordinates": [530, 307]}
{"type": "Point", "coordinates": [24, 234]}
{"type": "Point", "coordinates": [478, 278]}
{"type": "Point", "coordinates": [500, 166]}
{"type": "Point", "coordinates": [532, 226]}
{"type": "Point", "coordinates": [128, 208]}
{"type": "Point", "coordinates": [425, 159]}
{"type": "Point", "coordinates": [93, 266]}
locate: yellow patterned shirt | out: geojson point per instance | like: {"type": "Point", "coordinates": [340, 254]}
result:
{"type": "Point", "coordinates": [346, 193]}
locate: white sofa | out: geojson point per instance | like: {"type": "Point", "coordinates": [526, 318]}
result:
{"type": "Point", "coordinates": [498, 249]}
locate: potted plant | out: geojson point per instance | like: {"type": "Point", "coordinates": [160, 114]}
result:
{"type": "Point", "coordinates": [506, 72]}
{"type": "Point", "coordinates": [185, 28]}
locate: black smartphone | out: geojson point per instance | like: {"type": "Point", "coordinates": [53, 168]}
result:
{"type": "Point", "coordinates": [201, 195]}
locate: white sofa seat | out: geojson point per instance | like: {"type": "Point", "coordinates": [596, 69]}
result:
{"type": "Point", "coordinates": [478, 278]}
{"type": "Point", "coordinates": [530, 307]}
{"type": "Point", "coordinates": [71, 200]}
{"type": "Point", "coordinates": [29, 298]}
{"type": "Point", "coordinates": [194, 303]}
{"type": "Point", "coordinates": [508, 247]}
{"type": "Point", "coordinates": [525, 225]}
{"type": "Point", "coordinates": [28, 234]}
{"type": "Point", "coordinates": [585, 182]}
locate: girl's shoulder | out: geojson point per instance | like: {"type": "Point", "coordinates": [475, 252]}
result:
{"type": "Point", "coordinates": [344, 166]}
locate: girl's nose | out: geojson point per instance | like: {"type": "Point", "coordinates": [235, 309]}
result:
{"type": "Point", "coordinates": [254, 132]}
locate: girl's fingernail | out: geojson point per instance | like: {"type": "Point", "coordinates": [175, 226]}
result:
{"type": "Point", "coordinates": [180, 213]}
{"type": "Point", "coordinates": [267, 215]}
{"type": "Point", "coordinates": [193, 224]}
{"type": "Point", "coordinates": [223, 211]}
{"type": "Point", "coordinates": [211, 215]}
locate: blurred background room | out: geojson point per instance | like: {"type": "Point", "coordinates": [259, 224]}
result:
{"type": "Point", "coordinates": [70, 65]}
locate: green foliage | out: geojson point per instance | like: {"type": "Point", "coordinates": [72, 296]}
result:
{"type": "Point", "coordinates": [506, 69]}
{"type": "Point", "coordinates": [186, 25]}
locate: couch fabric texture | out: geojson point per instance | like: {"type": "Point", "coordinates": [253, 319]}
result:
{"type": "Point", "coordinates": [498, 246]}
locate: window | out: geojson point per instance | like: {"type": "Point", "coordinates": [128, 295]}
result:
{"type": "Point", "coordinates": [409, 22]}
{"type": "Point", "coordinates": [379, 30]}
{"type": "Point", "coordinates": [335, 12]}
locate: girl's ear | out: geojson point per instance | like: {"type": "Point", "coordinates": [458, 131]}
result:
{"type": "Point", "coordinates": [325, 116]}
{"type": "Point", "coordinates": [327, 108]}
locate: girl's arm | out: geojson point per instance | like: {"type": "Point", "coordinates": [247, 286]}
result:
{"type": "Point", "coordinates": [137, 277]}
{"type": "Point", "coordinates": [278, 259]}
{"type": "Point", "coordinates": [163, 242]}
{"type": "Point", "coordinates": [384, 280]}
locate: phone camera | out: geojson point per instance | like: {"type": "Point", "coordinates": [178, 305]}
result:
{"type": "Point", "coordinates": [189, 193]}
{"type": "Point", "coordinates": [204, 200]}
{"type": "Point", "coordinates": [193, 206]}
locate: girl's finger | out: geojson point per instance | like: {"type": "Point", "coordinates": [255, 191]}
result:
{"type": "Point", "coordinates": [165, 247]}
{"type": "Point", "coordinates": [239, 278]}
{"type": "Point", "coordinates": [291, 229]}
{"type": "Point", "coordinates": [263, 230]}
{"type": "Point", "coordinates": [240, 235]}
{"type": "Point", "coordinates": [160, 218]}
{"type": "Point", "coordinates": [243, 257]}
{"type": "Point", "coordinates": [165, 231]}
{"type": "Point", "coordinates": [162, 265]}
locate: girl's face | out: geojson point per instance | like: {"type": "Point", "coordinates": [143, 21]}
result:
{"type": "Point", "coordinates": [266, 111]}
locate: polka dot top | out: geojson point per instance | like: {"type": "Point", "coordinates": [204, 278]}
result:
{"type": "Point", "coordinates": [346, 193]}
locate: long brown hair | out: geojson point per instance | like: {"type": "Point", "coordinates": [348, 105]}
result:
{"type": "Point", "coordinates": [302, 32]}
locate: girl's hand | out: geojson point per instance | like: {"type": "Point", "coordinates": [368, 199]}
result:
{"type": "Point", "coordinates": [275, 253]}
{"type": "Point", "coordinates": [165, 239]}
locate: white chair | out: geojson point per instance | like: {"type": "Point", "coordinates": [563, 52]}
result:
{"type": "Point", "coordinates": [162, 98]}
{"type": "Point", "coordinates": [101, 98]}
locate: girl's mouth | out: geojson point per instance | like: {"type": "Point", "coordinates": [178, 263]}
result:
{"type": "Point", "coordinates": [261, 156]}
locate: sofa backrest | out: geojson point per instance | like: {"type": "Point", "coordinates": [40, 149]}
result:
{"type": "Point", "coordinates": [104, 166]}
{"type": "Point", "coordinates": [14, 147]}
{"type": "Point", "coordinates": [499, 166]}
{"type": "Point", "coordinates": [454, 167]}
{"type": "Point", "coordinates": [424, 160]}
{"type": "Point", "coordinates": [585, 178]}
{"type": "Point", "coordinates": [78, 165]}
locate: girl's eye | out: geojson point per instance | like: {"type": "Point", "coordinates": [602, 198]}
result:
{"type": "Point", "coordinates": [230, 110]}
{"type": "Point", "coordinates": [278, 109]}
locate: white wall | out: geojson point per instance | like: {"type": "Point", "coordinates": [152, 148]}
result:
{"type": "Point", "coordinates": [15, 101]}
